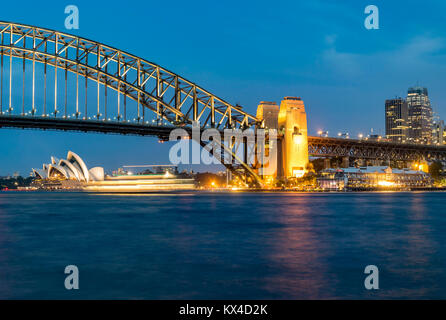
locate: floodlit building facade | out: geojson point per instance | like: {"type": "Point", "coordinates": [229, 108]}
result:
{"type": "Point", "coordinates": [269, 113]}
{"type": "Point", "coordinates": [293, 151]}
{"type": "Point", "coordinates": [378, 177]}
{"type": "Point", "coordinates": [290, 121]}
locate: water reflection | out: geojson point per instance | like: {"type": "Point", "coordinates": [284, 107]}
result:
{"type": "Point", "coordinates": [298, 250]}
{"type": "Point", "coordinates": [414, 268]}
{"type": "Point", "coordinates": [223, 246]}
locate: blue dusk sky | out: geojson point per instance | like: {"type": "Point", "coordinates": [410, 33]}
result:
{"type": "Point", "coordinates": [246, 52]}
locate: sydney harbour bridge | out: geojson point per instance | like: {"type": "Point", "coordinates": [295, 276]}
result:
{"type": "Point", "coordinates": [49, 80]}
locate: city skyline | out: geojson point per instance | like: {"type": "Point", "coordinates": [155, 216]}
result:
{"type": "Point", "coordinates": [412, 120]}
{"type": "Point", "coordinates": [219, 158]}
{"type": "Point", "coordinates": [326, 62]}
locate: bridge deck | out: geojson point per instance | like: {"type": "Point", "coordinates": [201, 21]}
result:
{"type": "Point", "coordinates": [81, 125]}
{"type": "Point", "coordinates": [366, 149]}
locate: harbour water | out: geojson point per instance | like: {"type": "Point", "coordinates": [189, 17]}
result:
{"type": "Point", "coordinates": [222, 245]}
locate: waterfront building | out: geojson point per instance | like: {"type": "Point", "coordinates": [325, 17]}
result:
{"type": "Point", "coordinates": [420, 115]}
{"type": "Point", "coordinates": [397, 120]}
{"type": "Point", "coordinates": [72, 168]}
{"type": "Point", "coordinates": [377, 177]}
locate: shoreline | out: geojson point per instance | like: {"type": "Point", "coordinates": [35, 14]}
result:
{"type": "Point", "coordinates": [224, 190]}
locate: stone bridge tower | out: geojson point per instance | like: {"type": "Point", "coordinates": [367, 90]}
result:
{"type": "Point", "coordinates": [293, 149]}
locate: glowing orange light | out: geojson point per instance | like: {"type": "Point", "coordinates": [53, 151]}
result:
{"type": "Point", "coordinates": [385, 183]}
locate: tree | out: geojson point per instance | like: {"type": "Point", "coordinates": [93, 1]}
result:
{"type": "Point", "coordinates": [435, 169]}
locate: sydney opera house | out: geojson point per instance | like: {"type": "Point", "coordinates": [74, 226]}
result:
{"type": "Point", "coordinates": [72, 168]}
{"type": "Point", "coordinates": [73, 174]}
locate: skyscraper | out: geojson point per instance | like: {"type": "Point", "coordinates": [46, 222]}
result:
{"type": "Point", "coordinates": [438, 133]}
{"type": "Point", "coordinates": [420, 115]}
{"type": "Point", "coordinates": [397, 120]}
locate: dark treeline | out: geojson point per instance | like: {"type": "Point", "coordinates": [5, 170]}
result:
{"type": "Point", "coordinates": [14, 183]}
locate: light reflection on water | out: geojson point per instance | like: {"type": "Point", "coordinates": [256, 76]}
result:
{"type": "Point", "coordinates": [222, 245]}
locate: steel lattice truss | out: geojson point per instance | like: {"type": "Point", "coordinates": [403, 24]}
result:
{"type": "Point", "coordinates": [175, 101]}
{"type": "Point", "coordinates": [360, 149]}
{"type": "Point", "coordinates": [172, 97]}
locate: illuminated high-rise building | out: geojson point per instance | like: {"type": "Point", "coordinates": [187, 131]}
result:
{"type": "Point", "coordinates": [420, 115]}
{"type": "Point", "coordinates": [397, 120]}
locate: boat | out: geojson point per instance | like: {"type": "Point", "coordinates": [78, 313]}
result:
{"type": "Point", "coordinates": [153, 178]}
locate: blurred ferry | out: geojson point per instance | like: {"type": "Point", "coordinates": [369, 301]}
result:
{"type": "Point", "coordinates": [153, 178]}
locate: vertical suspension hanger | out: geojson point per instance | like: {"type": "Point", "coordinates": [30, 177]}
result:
{"type": "Point", "coordinates": [1, 76]}
{"type": "Point", "coordinates": [66, 83]}
{"type": "Point", "coordinates": [86, 87]}
{"type": "Point", "coordinates": [98, 66]}
{"type": "Point", "coordinates": [55, 75]}
{"type": "Point", "coordinates": [143, 108]}
{"type": "Point", "coordinates": [119, 86]}
{"type": "Point", "coordinates": [139, 85]}
{"type": "Point", "coordinates": [23, 80]}
{"type": "Point", "coordinates": [10, 72]}
{"type": "Point", "coordinates": [44, 82]}
{"type": "Point", "coordinates": [105, 92]}
{"type": "Point", "coordinates": [33, 110]}
{"type": "Point", "coordinates": [125, 98]}
{"type": "Point", "coordinates": [77, 80]}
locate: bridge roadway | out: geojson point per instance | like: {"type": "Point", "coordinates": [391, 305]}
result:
{"type": "Point", "coordinates": [374, 150]}
{"type": "Point", "coordinates": [317, 146]}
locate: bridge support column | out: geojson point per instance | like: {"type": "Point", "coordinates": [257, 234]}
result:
{"type": "Point", "coordinates": [327, 163]}
{"type": "Point", "coordinates": [359, 162]}
{"type": "Point", "coordinates": [345, 162]}
{"type": "Point", "coordinates": [293, 124]}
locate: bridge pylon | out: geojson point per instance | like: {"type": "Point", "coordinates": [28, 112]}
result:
{"type": "Point", "coordinates": [293, 149]}
{"type": "Point", "coordinates": [290, 120]}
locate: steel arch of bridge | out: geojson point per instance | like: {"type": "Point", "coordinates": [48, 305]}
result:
{"type": "Point", "coordinates": [173, 99]}
{"type": "Point", "coordinates": [143, 81]}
